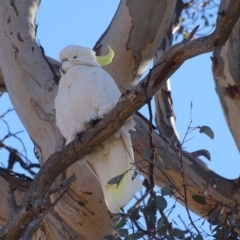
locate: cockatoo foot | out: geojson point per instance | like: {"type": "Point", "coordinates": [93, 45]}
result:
{"type": "Point", "coordinates": [93, 122]}
{"type": "Point", "coordinates": [79, 136]}
{"type": "Point", "coordinates": [125, 93]}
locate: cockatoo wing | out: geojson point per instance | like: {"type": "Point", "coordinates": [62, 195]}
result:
{"type": "Point", "coordinates": [86, 93]}
{"type": "Point", "coordinates": [83, 94]}
{"type": "Point", "coordinates": [113, 158]}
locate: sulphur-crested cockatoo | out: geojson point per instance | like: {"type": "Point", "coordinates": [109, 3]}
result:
{"type": "Point", "coordinates": [87, 92]}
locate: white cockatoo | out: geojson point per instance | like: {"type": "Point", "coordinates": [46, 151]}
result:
{"type": "Point", "coordinates": [86, 92]}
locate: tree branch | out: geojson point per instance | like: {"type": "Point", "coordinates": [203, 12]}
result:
{"type": "Point", "coordinates": [32, 87]}
{"type": "Point", "coordinates": [225, 67]}
{"type": "Point", "coordinates": [127, 105]}
{"type": "Point", "coordinates": [164, 115]}
{"type": "Point", "coordinates": [131, 55]}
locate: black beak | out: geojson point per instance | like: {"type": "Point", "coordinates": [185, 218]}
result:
{"type": "Point", "coordinates": [61, 69]}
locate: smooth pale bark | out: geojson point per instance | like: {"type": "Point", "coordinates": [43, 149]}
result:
{"type": "Point", "coordinates": [195, 171]}
{"type": "Point", "coordinates": [171, 61]}
{"type": "Point", "coordinates": [164, 113]}
{"type": "Point", "coordinates": [135, 33]}
{"type": "Point", "coordinates": [32, 87]}
{"type": "Point", "coordinates": [2, 84]}
{"type": "Point", "coordinates": [196, 174]}
{"type": "Point", "coordinates": [226, 71]}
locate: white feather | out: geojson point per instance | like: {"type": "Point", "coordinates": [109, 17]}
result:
{"type": "Point", "coordinates": [88, 92]}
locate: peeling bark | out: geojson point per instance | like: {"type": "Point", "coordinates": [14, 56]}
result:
{"type": "Point", "coordinates": [82, 213]}
{"type": "Point", "coordinates": [134, 34]}
{"type": "Point", "coordinates": [164, 114]}
{"type": "Point", "coordinates": [31, 85]}
{"type": "Point", "coordinates": [196, 173]}
{"type": "Point", "coordinates": [226, 71]}
{"type": "Point", "coordinates": [2, 83]}
{"type": "Point", "coordinates": [32, 89]}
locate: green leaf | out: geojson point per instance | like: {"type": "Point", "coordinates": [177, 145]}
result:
{"type": "Point", "coordinates": [161, 202]}
{"type": "Point", "coordinates": [203, 152]}
{"type": "Point", "coordinates": [167, 146]}
{"type": "Point", "coordinates": [159, 224]}
{"type": "Point", "coordinates": [231, 218]}
{"type": "Point", "coordinates": [235, 210]}
{"type": "Point", "coordinates": [163, 230]}
{"type": "Point", "coordinates": [134, 215]}
{"type": "Point", "coordinates": [205, 186]}
{"type": "Point", "coordinates": [122, 209]}
{"type": "Point", "coordinates": [166, 191]}
{"type": "Point", "coordinates": [151, 206]}
{"type": "Point", "coordinates": [116, 180]}
{"type": "Point", "coordinates": [123, 232]}
{"type": "Point", "coordinates": [216, 228]}
{"type": "Point", "coordinates": [206, 130]}
{"type": "Point", "coordinates": [110, 237]}
{"type": "Point", "coordinates": [199, 199]}
{"type": "Point", "coordinates": [222, 233]}
{"type": "Point", "coordinates": [121, 224]}
{"type": "Point", "coordinates": [178, 233]}
{"type": "Point", "coordinates": [147, 153]}
{"type": "Point", "coordinates": [129, 238]}
{"type": "Point", "coordinates": [134, 236]}
{"type": "Point", "coordinates": [238, 224]}
{"type": "Point", "coordinates": [214, 215]}
{"type": "Point", "coordinates": [161, 163]}
{"type": "Point", "coordinates": [206, 22]}
{"type": "Point", "coordinates": [214, 183]}
{"type": "Point", "coordinates": [134, 175]}
{"type": "Point", "coordinates": [152, 220]}
{"type": "Point", "coordinates": [199, 237]}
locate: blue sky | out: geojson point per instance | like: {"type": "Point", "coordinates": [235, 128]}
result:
{"type": "Point", "coordinates": [62, 23]}
{"type": "Point", "coordinates": [83, 22]}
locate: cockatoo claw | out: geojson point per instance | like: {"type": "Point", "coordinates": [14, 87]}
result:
{"type": "Point", "coordinates": [93, 122]}
{"type": "Point", "coordinates": [85, 95]}
{"type": "Point", "coordinates": [79, 136]}
{"type": "Point", "coordinates": [125, 93]}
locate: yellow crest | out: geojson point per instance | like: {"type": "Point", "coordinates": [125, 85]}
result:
{"type": "Point", "coordinates": [107, 59]}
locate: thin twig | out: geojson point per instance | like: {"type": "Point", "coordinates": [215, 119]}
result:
{"type": "Point", "coordinates": [135, 204]}
{"type": "Point", "coordinates": [34, 225]}
{"type": "Point", "coordinates": [150, 132]}
{"type": "Point", "coordinates": [180, 157]}
{"type": "Point", "coordinates": [62, 185]}
{"type": "Point", "coordinates": [19, 181]}
{"type": "Point", "coordinates": [192, 33]}
{"type": "Point", "coordinates": [4, 114]}
{"type": "Point", "coordinates": [60, 161]}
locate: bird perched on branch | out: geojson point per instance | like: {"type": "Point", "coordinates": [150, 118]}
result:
{"type": "Point", "coordinates": [86, 93]}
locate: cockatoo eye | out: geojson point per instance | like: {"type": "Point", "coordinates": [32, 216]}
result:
{"type": "Point", "coordinates": [75, 57]}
